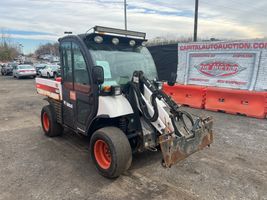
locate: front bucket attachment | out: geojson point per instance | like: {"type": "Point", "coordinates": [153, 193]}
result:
{"type": "Point", "coordinates": [176, 148]}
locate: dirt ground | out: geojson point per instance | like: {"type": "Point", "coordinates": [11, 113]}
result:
{"type": "Point", "coordinates": [33, 166]}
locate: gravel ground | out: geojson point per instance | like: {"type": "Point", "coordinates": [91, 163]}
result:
{"type": "Point", "coordinates": [33, 166]}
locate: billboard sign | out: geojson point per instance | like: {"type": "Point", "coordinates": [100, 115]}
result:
{"type": "Point", "coordinates": [238, 65]}
{"type": "Point", "coordinates": [219, 68]}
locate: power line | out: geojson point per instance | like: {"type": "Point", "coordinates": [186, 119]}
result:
{"type": "Point", "coordinates": [248, 5]}
{"type": "Point", "coordinates": [232, 7]}
{"type": "Point", "coordinates": [232, 18]}
{"type": "Point", "coordinates": [77, 2]}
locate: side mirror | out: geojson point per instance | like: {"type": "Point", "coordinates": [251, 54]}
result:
{"type": "Point", "coordinates": [172, 79]}
{"type": "Point", "coordinates": [98, 75]}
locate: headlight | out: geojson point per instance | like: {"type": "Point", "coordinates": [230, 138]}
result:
{"type": "Point", "coordinates": [98, 39]}
{"type": "Point", "coordinates": [144, 43]}
{"type": "Point", "coordinates": [132, 43]}
{"type": "Point", "coordinates": [115, 41]}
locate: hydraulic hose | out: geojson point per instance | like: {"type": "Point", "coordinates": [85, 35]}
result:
{"type": "Point", "coordinates": [183, 113]}
{"type": "Point", "coordinates": [160, 95]}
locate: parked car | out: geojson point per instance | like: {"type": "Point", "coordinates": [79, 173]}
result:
{"type": "Point", "coordinates": [39, 66]}
{"type": "Point", "coordinates": [2, 69]}
{"type": "Point", "coordinates": [8, 69]}
{"type": "Point", "coordinates": [24, 71]}
{"type": "Point", "coordinates": [57, 73]}
{"type": "Point", "coordinates": [49, 71]}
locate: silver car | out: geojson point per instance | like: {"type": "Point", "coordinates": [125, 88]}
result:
{"type": "Point", "coordinates": [24, 71]}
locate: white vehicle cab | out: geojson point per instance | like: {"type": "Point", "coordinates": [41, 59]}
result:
{"type": "Point", "coordinates": [49, 71]}
{"type": "Point", "coordinates": [24, 71]}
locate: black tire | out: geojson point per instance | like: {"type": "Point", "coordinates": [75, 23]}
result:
{"type": "Point", "coordinates": [53, 129]}
{"type": "Point", "coordinates": [48, 75]}
{"type": "Point", "coordinates": [55, 76]}
{"type": "Point", "coordinates": [119, 149]}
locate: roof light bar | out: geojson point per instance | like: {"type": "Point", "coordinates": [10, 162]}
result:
{"type": "Point", "coordinates": [119, 31]}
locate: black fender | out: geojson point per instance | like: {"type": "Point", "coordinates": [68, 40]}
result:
{"type": "Point", "coordinates": [57, 108]}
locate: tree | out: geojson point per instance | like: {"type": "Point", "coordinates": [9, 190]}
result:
{"type": "Point", "coordinates": [49, 48]}
{"type": "Point", "coordinates": [8, 51]}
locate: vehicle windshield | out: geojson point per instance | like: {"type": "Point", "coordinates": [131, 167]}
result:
{"type": "Point", "coordinates": [40, 65]}
{"type": "Point", "coordinates": [54, 67]}
{"type": "Point", "coordinates": [120, 61]}
{"type": "Point", "coordinates": [25, 67]}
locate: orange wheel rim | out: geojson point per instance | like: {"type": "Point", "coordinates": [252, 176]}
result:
{"type": "Point", "coordinates": [46, 122]}
{"type": "Point", "coordinates": [102, 154]}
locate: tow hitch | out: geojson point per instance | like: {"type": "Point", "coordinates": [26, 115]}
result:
{"type": "Point", "coordinates": [175, 148]}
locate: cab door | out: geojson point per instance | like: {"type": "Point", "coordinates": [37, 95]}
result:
{"type": "Point", "coordinates": [78, 97]}
{"type": "Point", "coordinates": [83, 89]}
{"type": "Point", "coordinates": [67, 84]}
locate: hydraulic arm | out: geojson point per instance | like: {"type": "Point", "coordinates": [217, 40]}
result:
{"type": "Point", "coordinates": [183, 133]}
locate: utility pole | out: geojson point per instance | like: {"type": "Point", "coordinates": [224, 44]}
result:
{"type": "Point", "coordinates": [125, 14]}
{"type": "Point", "coordinates": [21, 49]}
{"type": "Point", "coordinates": [196, 20]}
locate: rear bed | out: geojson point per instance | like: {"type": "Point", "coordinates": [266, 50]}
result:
{"type": "Point", "coordinates": [49, 88]}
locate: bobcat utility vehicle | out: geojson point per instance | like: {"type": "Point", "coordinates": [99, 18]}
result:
{"type": "Point", "coordinates": [109, 92]}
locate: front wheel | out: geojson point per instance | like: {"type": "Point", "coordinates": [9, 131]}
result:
{"type": "Point", "coordinates": [110, 151]}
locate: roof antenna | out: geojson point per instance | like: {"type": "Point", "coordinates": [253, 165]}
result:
{"type": "Point", "coordinates": [89, 30]}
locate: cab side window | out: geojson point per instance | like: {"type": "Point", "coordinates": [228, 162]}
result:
{"type": "Point", "coordinates": [81, 77]}
{"type": "Point", "coordinates": [67, 65]}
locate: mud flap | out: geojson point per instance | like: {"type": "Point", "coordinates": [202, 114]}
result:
{"type": "Point", "coordinates": [175, 149]}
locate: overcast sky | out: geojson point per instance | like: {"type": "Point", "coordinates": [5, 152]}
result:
{"type": "Point", "coordinates": [32, 22]}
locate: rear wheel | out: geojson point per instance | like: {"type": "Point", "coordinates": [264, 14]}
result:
{"type": "Point", "coordinates": [110, 151]}
{"type": "Point", "coordinates": [55, 76]}
{"type": "Point", "coordinates": [48, 75]}
{"type": "Point", "coordinates": [48, 119]}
